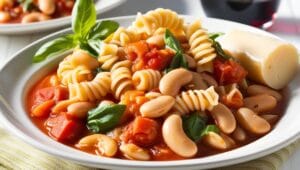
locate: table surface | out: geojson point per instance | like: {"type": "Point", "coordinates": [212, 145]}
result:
{"type": "Point", "coordinates": [288, 13]}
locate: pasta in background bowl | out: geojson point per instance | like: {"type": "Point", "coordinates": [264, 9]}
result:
{"type": "Point", "coordinates": [21, 80]}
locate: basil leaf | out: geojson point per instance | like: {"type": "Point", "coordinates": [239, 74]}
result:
{"type": "Point", "coordinates": [83, 17]}
{"type": "Point", "coordinates": [86, 47]}
{"type": "Point", "coordinates": [53, 47]}
{"type": "Point", "coordinates": [172, 42]}
{"type": "Point", "coordinates": [193, 126]}
{"type": "Point", "coordinates": [214, 35]}
{"type": "Point", "coordinates": [105, 118]}
{"type": "Point", "coordinates": [95, 44]}
{"type": "Point", "coordinates": [220, 51]}
{"type": "Point", "coordinates": [210, 128]}
{"type": "Point", "coordinates": [103, 29]}
{"type": "Point", "coordinates": [177, 61]}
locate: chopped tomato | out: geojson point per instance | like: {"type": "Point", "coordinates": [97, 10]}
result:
{"type": "Point", "coordinates": [146, 56]}
{"type": "Point", "coordinates": [133, 100]}
{"type": "Point", "coordinates": [143, 131]}
{"type": "Point", "coordinates": [228, 72]}
{"type": "Point", "coordinates": [136, 50]}
{"type": "Point", "coordinates": [236, 101]}
{"type": "Point", "coordinates": [56, 93]}
{"type": "Point", "coordinates": [64, 129]}
{"type": "Point", "coordinates": [43, 109]}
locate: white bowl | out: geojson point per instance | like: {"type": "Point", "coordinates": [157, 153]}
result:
{"type": "Point", "coordinates": [101, 6]}
{"type": "Point", "coordinates": [18, 74]}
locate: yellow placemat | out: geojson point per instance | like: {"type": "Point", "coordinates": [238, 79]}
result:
{"type": "Point", "coordinates": [15, 154]}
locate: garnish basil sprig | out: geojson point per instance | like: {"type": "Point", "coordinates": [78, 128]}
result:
{"type": "Point", "coordinates": [87, 34]}
{"type": "Point", "coordinates": [195, 126]}
{"type": "Point", "coordinates": [105, 117]}
{"type": "Point", "coordinates": [217, 45]}
{"type": "Point", "coordinates": [178, 60]}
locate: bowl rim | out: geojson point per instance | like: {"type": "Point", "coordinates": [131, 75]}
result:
{"type": "Point", "coordinates": [114, 162]}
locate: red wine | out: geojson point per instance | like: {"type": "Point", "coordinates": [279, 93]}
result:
{"type": "Point", "coordinates": [252, 12]}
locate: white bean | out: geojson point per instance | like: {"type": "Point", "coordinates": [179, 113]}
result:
{"type": "Point", "coordinates": [258, 89]}
{"type": "Point", "coordinates": [215, 140]}
{"type": "Point", "coordinates": [171, 83]}
{"type": "Point", "coordinates": [105, 145]}
{"type": "Point", "coordinates": [270, 118]}
{"type": "Point", "coordinates": [176, 139]}
{"type": "Point", "coordinates": [224, 118]}
{"type": "Point", "coordinates": [157, 107]}
{"type": "Point", "coordinates": [260, 103]}
{"type": "Point", "coordinates": [132, 151]}
{"type": "Point", "coordinates": [34, 17]}
{"type": "Point", "coordinates": [47, 6]}
{"type": "Point", "coordinates": [239, 134]}
{"type": "Point", "coordinates": [79, 109]}
{"type": "Point", "coordinates": [252, 122]}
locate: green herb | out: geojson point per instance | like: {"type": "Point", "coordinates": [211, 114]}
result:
{"type": "Point", "coordinates": [215, 35]}
{"type": "Point", "coordinates": [217, 45]}
{"type": "Point", "coordinates": [194, 125]}
{"type": "Point", "coordinates": [105, 118]}
{"type": "Point", "coordinates": [53, 47]}
{"type": "Point", "coordinates": [178, 60]}
{"type": "Point", "coordinates": [102, 30]}
{"type": "Point", "coordinates": [87, 34]}
{"type": "Point", "coordinates": [209, 128]}
{"type": "Point", "coordinates": [220, 51]}
{"type": "Point", "coordinates": [26, 4]}
{"type": "Point", "coordinates": [83, 17]}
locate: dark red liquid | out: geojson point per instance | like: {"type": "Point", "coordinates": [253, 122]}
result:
{"type": "Point", "coordinates": [251, 12]}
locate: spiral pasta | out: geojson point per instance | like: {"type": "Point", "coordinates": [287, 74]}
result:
{"type": "Point", "coordinates": [194, 100]}
{"type": "Point", "coordinates": [121, 78]}
{"type": "Point", "coordinates": [146, 79]}
{"type": "Point", "coordinates": [155, 19]}
{"type": "Point", "coordinates": [108, 56]}
{"type": "Point", "coordinates": [92, 90]}
{"type": "Point", "coordinates": [123, 36]}
{"type": "Point", "coordinates": [200, 45]}
{"type": "Point", "coordinates": [69, 74]}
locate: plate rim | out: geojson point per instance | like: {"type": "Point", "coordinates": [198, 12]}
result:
{"type": "Point", "coordinates": [113, 162]}
{"type": "Point", "coordinates": [49, 24]}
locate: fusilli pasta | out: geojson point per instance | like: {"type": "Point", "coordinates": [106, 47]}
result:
{"type": "Point", "coordinates": [146, 79]}
{"type": "Point", "coordinates": [68, 74]}
{"type": "Point", "coordinates": [200, 45]}
{"type": "Point", "coordinates": [108, 56]}
{"type": "Point", "coordinates": [92, 90]}
{"type": "Point", "coordinates": [123, 36]}
{"type": "Point", "coordinates": [196, 100]}
{"type": "Point", "coordinates": [121, 78]}
{"type": "Point", "coordinates": [155, 19]}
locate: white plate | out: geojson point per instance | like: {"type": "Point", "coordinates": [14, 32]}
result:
{"type": "Point", "coordinates": [101, 6]}
{"type": "Point", "coordinates": [19, 74]}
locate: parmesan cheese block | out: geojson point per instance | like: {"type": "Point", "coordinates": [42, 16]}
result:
{"type": "Point", "coordinates": [268, 60]}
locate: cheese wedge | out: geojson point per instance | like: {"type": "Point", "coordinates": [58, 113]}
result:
{"type": "Point", "coordinates": [268, 60]}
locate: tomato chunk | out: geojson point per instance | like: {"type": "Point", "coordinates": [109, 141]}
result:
{"type": "Point", "coordinates": [228, 72]}
{"type": "Point", "coordinates": [56, 93]}
{"type": "Point", "coordinates": [64, 129]}
{"type": "Point", "coordinates": [143, 131]}
{"type": "Point", "coordinates": [145, 56]}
